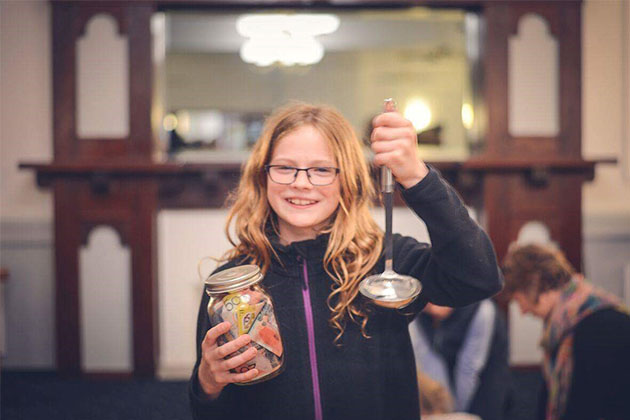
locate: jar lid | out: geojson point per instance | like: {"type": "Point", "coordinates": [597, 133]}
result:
{"type": "Point", "coordinates": [234, 278]}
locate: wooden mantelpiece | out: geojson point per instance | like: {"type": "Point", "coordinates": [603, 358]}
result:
{"type": "Point", "coordinates": [509, 191]}
{"type": "Point", "coordinates": [206, 185]}
{"type": "Point", "coordinates": [186, 185]}
{"type": "Point", "coordinates": [179, 168]}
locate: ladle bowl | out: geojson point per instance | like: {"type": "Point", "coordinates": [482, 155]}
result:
{"type": "Point", "coordinates": [390, 289]}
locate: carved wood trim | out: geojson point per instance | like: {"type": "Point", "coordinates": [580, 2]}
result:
{"type": "Point", "coordinates": [69, 23]}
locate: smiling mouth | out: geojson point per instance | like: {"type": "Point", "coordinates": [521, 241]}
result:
{"type": "Point", "coordinates": [300, 202]}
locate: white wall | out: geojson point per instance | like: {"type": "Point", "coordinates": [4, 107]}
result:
{"type": "Point", "coordinates": [605, 106]}
{"type": "Point", "coordinates": [26, 251]}
{"type": "Point", "coordinates": [25, 107]}
{"type": "Point", "coordinates": [606, 133]}
{"type": "Point", "coordinates": [26, 246]}
{"type": "Point", "coordinates": [26, 211]}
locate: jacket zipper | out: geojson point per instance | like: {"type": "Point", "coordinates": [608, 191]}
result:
{"type": "Point", "coordinates": [308, 312]}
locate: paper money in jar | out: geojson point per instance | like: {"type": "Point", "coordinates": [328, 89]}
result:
{"type": "Point", "coordinates": [236, 296]}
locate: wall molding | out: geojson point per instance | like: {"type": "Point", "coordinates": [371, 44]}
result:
{"type": "Point", "coordinates": [174, 372]}
{"type": "Point", "coordinates": [26, 233]}
{"type": "Point", "coordinates": [604, 227]}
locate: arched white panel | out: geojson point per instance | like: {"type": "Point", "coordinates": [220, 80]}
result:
{"type": "Point", "coordinates": [102, 77]}
{"type": "Point", "coordinates": [105, 303]}
{"type": "Point", "coordinates": [533, 87]}
{"type": "Point", "coordinates": [534, 232]}
{"type": "Point", "coordinates": [526, 330]}
{"type": "Point", "coordinates": [525, 334]}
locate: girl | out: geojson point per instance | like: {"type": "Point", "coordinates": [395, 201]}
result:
{"type": "Point", "coordinates": [302, 213]}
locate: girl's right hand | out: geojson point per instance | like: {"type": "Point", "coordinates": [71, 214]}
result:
{"type": "Point", "coordinates": [214, 370]}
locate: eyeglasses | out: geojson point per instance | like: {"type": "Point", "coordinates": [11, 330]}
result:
{"type": "Point", "coordinates": [317, 175]}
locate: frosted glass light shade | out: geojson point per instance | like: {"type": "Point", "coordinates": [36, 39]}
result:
{"type": "Point", "coordinates": [287, 39]}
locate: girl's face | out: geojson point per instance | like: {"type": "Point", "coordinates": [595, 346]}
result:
{"type": "Point", "coordinates": [301, 207]}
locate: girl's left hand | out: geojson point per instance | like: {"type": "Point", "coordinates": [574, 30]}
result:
{"type": "Point", "coordinates": [394, 143]}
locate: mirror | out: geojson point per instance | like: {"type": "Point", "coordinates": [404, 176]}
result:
{"type": "Point", "coordinates": [212, 102]}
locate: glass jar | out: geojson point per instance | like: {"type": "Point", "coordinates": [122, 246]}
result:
{"type": "Point", "coordinates": [237, 296]}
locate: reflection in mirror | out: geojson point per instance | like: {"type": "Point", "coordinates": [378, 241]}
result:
{"type": "Point", "coordinates": [220, 77]}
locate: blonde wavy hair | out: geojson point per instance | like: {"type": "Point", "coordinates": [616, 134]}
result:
{"type": "Point", "coordinates": [355, 240]}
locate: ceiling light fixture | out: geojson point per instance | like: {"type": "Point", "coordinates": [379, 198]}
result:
{"type": "Point", "coordinates": [287, 39]}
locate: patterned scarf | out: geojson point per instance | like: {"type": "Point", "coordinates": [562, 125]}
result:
{"type": "Point", "coordinates": [578, 300]}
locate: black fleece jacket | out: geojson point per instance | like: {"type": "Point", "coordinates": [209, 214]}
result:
{"type": "Point", "coordinates": [363, 378]}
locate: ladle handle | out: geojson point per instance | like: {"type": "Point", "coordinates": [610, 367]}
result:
{"type": "Point", "coordinates": [387, 180]}
{"type": "Point", "coordinates": [389, 243]}
{"type": "Point", "coordinates": [387, 189]}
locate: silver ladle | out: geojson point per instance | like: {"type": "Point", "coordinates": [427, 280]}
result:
{"type": "Point", "coordinates": [389, 289]}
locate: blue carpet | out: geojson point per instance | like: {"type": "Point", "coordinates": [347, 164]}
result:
{"type": "Point", "coordinates": [47, 396]}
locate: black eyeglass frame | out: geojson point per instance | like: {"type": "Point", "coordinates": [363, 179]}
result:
{"type": "Point", "coordinates": [297, 170]}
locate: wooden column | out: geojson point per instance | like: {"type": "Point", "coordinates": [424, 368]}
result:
{"type": "Point", "coordinates": [67, 243]}
{"type": "Point", "coordinates": [128, 205]}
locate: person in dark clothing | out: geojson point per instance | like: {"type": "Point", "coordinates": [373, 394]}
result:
{"type": "Point", "coordinates": [313, 236]}
{"type": "Point", "coordinates": [466, 350]}
{"type": "Point", "coordinates": [586, 336]}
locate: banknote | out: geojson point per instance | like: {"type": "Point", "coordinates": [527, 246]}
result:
{"type": "Point", "coordinates": [265, 332]}
{"type": "Point", "coordinates": [219, 315]}
{"type": "Point", "coordinates": [241, 315]}
{"type": "Point", "coordinates": [265, 361]}
{"type": "Point", "coordinates": [246, 314]}
{"type": "Point", "coordinates": [273, 360]}
{"type": "Point", "coordinates": [214, 316]}
{"type": "Point", "coordinates": [249, 312]}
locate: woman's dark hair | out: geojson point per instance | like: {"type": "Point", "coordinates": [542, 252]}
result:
{"type": "Point", "coordinates": [535, 269]}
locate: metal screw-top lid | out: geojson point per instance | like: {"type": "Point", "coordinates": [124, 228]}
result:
{"type": "Point", "coordinates": [233, 279]}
